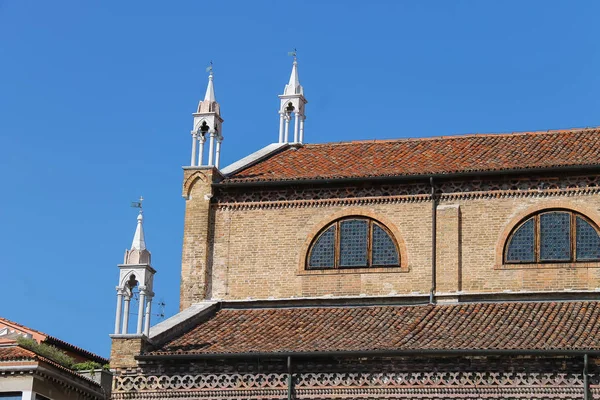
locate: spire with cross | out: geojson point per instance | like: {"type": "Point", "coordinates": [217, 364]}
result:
{"type": "Point", "coordinates": [292, 106]}
{"type": "Point", "coordinates": [207, 125]}
{"type": "Point", "coordinates": [139, 241]}
{"type": "Point", "coordinates": [136, 276]}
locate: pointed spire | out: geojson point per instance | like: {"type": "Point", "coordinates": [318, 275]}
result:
{"type": "Point", "coordinates": [139, 242]}
{"type": "Point", "coordinates": [293, 86]}
{"type": "Point", "coordinates": [207, 126]}
{"type": "Point", "coordinates": [292, 104]}
{"type": "Point", "coordinates": [210, 89]}
{"type": "Point", "coordinates": [135, 272]}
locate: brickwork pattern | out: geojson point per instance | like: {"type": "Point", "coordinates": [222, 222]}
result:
{"type": "Point", "coordinates": [449, 252]}
{"type": "Point", "coordinates": [261, 253]}
{"type": "Point", "coordinates": [123, 351]}
{"type": "Point", "coordinates": [460, 188]}
{"type": "Point", "coordinates": [257, 250]}
{"type": "Point", "coordinates": [197, 235]}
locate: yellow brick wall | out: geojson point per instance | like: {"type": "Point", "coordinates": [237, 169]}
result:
{"type": "Point", "coordinates": [448, 249]}
{"type": "Point", "coordinates": [486, 224]}
{"type": "Point", "coordinates": [259, 252]}
{"type": "Point", "coordinates": [195, 258]}
{"type": "Point", "coordinates": [123, 350]}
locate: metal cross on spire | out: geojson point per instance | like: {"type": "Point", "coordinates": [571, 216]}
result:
{"type": "Point", "coordinates": [137, 204]}
{"type": "Point", "coordinates": [293, 53]}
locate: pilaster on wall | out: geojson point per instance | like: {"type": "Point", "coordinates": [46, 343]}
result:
{"type": "Point", "coordinates": [448, 250]}
{"type": "Point", "coordinates": [197, 190]}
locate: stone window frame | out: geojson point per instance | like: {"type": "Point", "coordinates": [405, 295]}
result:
{"type": "Point", "coordinates": [356, 212]}
{"type": "Point", "coordinates": [575, 211]}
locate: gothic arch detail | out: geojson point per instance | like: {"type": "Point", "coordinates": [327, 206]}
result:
{"type": "Point", "coordinates": [188, 184]}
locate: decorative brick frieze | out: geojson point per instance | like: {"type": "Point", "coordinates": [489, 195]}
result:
{"type": "Point", "coordinates": [314, 196]}
{"type": "Point", "coordinates": [461, 378]}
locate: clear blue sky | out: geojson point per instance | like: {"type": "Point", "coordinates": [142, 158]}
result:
{"type": "Point", "coordinates": [96, 101]}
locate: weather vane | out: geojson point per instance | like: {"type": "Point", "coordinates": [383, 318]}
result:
{"type": "Point", "coordinates": [293, 53]}
{"type": "Point", "coordinates": [209, 69]}
{"type": "Point", "coordinates": [137, 204]}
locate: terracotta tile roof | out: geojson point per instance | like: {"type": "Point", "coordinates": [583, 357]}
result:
{"type": "Point", "coordinates": [13, 352]}
{"type": "Point", "coordinates": [439, 155]}
{"type": "Point", "coordinates": [480, 326]}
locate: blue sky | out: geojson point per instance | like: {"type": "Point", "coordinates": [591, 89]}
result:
{"type": "Point", "coordinates": [96, 101]}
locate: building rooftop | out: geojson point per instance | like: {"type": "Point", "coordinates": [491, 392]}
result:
{"type": "Point", "coordinates": [426, 156]}
{"type": "Point", "coordinates": [531, 326]}
{"type": "Point", "coordinates": [41, 337]}
{"type": "Point", "coordinates": [15, 356]}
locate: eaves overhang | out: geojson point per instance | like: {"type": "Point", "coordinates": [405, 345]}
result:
{"type": "Point", "coordinates": [375, 353]}
{"type": "Point", "coordinates": [414, 177]}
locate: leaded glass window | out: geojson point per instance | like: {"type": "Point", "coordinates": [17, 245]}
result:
{"type": "Point", "coordinates": [521, 247]}
{"type": "Point", "coordinates": [588, 241]}
{"type": "Point", "coordinates": [553, 236]}
{"type": "Point", "coordinates": [323, 251]}
{"type": "Point", "coordinates": [353, 242]}
{"type": "Point", "coordinates": [384, 248]}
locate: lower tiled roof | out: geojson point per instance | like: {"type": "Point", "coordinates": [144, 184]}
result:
{"type": "Point", "coordinates": [477, 326]}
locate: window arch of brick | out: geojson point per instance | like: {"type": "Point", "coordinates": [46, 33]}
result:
{"type": "Point", "coordinates": [353, 241]}
{"type": "Point", "coordinates": [554, 235]}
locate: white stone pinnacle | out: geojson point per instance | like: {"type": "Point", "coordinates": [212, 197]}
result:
{"type": "Point", "coordinates": [210, 90]}
{"type": "Point", "coordinates": [291, 106]}
{"type": "Point", "coordinates": [139, 243]}
{"type": "Point", "coordinates": [293, 86]}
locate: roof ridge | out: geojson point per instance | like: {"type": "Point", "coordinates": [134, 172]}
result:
{"type": "Point", "coordinates": [456, 136]}
{"type": "Point", "coordinates": [423, 304]}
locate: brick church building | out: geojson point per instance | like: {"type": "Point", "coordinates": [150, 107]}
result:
{"type": "Point", "coordinates": [461, 267]}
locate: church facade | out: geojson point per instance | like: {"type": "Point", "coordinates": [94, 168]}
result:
{"type": "Point", "coordinates": [448, 267]}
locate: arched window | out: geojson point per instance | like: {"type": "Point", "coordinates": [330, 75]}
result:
{"type": "Point", "coordinates": [353, 242]}
{"type": "Point", "coordinates": [553, 236]}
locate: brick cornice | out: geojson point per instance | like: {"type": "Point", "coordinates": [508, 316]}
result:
{"type": "Point", "coordinates": [357, 201]}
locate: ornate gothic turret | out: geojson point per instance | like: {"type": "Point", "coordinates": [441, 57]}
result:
{"type": "Point", "coordinates": [135, 274]}
{"type": "Point", "coordinates": [292, 104]}
{"type": "Point", "coordinates": [207, 122]}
